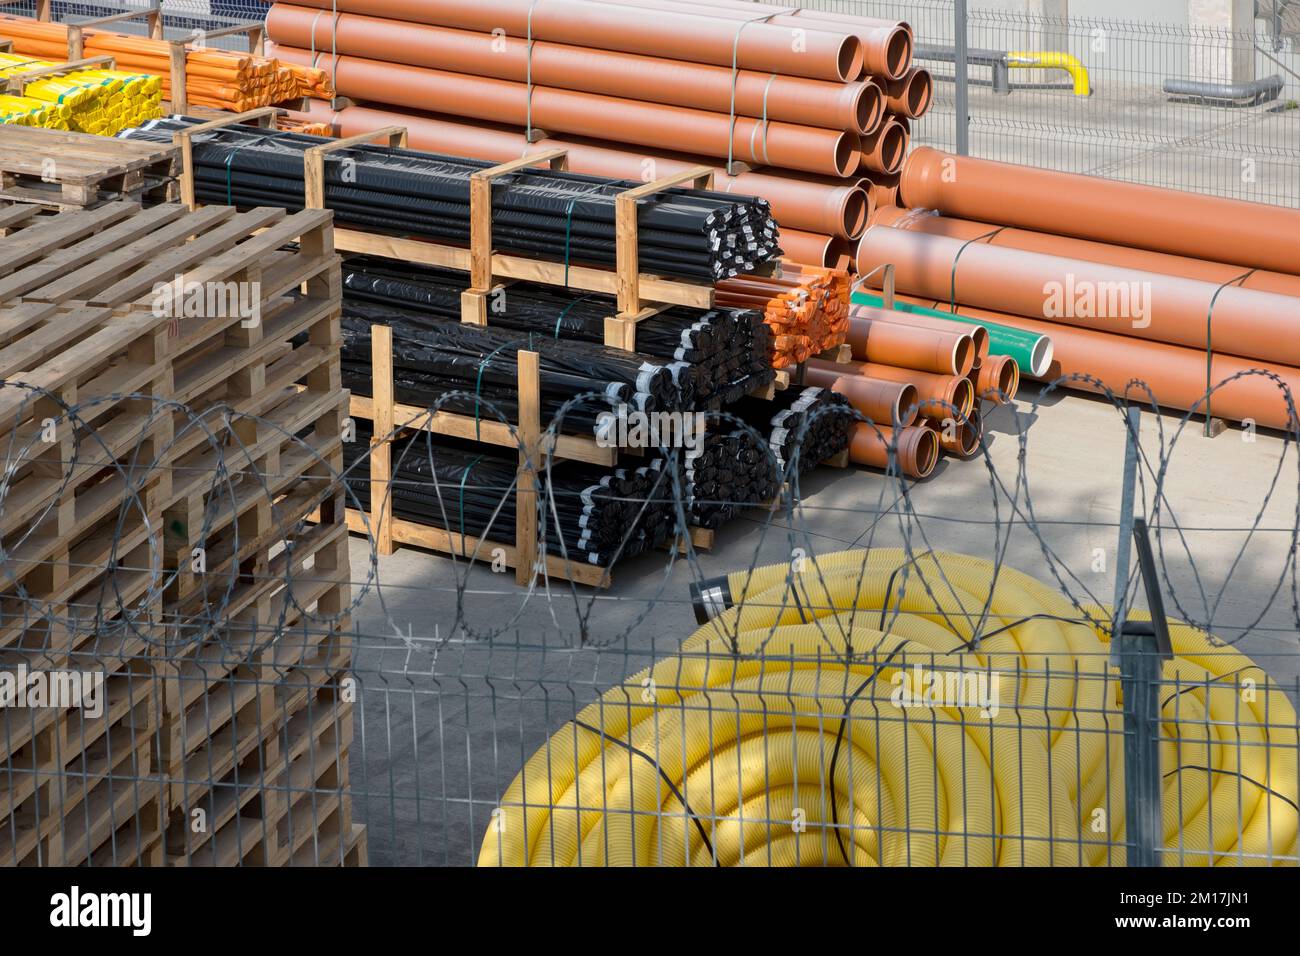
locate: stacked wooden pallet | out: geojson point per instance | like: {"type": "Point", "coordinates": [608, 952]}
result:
{"type": "Point", "coordinates": [65, 169]}
{"type": "Point", "coordinates": [161, 464]}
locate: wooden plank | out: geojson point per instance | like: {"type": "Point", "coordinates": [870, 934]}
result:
{"type": "Point", "coordinates": [313, 160]}
{"type": "Point", "coordinates": [521, 268]}
{"type": "Point", "coordinates": [381, 448]}
{"type": "Point", "coordinates": [38, 346]}
{"type": "Point", "coordinates": [185, 138]}
{"type": "Point", "coordinates": [526, 484]}
{"type": "Point", "coordinates": [15, 83]}
{"type": "Point", "coordinates": [17, 214]}
{"type": "Point", "coordinates": [203, 251]}
{"type": "Point", "coordinates": [627, 243]}
{"type": "Point", "coordinates": [438, 539]}
{"type": "Point", "coordinates": [490, 431]}
{"type": "Point", "coordinates": [474, 303]}
{"type": "Point", "coordinates": [43, 237]}
{"type": "Point", "coordinates": [101, 248]}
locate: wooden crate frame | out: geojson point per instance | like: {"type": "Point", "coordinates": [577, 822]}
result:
{"type": "Point", "coordinates": [88, 169]}
{"type": "Point", "coordinates": [632, 287]}
{"type": "Point", "coordinates": [389, 417]}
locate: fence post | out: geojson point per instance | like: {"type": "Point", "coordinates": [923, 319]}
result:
{"type": "Point", "coordinates": [1139, 649]}
{"type": "Point", "coordinates": [960, 77]}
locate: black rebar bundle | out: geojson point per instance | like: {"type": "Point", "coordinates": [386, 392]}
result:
{"type": "Point", "coordinates": [433, 357]}
{"type": "Point", "coordinates": [600, 515]}
{"type": "Point", "coordinates": [565, 217]}
{"type": "Point", "coordinates": [725, 352]}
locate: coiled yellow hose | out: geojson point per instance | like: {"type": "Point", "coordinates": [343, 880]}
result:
{"type": "Point", "coordinates": [788, 731]}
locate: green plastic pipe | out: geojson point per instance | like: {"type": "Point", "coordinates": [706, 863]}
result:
{"type": "Point", "coordinates": [1031, 351]}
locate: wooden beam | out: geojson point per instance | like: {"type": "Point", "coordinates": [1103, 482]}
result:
{"type": "Point", "coordinates": [313, 160]}
{"type": "Point", "coordinates": [627, 249]}
{"type": "Point", "coordinates": [474, 302]}
{"type": "Point", "coordinates": [530, 428]}
{"type": "Point", "coordinates": [184, 139]}
{"type": "Point", "coordinates": [381, 448]}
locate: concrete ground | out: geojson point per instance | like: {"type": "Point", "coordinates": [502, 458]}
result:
{"type": "Point", "coordinates": [446, 723]}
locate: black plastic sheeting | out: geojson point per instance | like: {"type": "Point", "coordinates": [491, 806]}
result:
{"type": "Point", "coordinates": [565, 217]}
{"type": "Point", "coordinates": [599, 515]}
{"type": "Point", "coordinates": [725, 352]}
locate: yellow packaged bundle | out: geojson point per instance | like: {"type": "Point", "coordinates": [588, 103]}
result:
{"type": "Point", "coordinates": [27, 111]}
{"type": "Point", "coordinates": [103, 102]}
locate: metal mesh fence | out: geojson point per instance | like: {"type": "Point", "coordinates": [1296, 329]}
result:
{"type": "Point", "coordinates": [314, 703]}
{"type": "Point", "coordinates": [180, 17]}
{"type": "Point", "coordinates": [1141, 123]}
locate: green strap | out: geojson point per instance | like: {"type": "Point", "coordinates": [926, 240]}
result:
{"type": "Point", "coordinates": [581, 298]}
{"type": "Point", "coordinates": [461, 518]}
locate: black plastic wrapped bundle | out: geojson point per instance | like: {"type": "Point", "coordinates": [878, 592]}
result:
{"type": "Point", "coordinates": [433, 356]}
{"type": "Point", "coordinates": [728, 350]}
{"type": "Point", "coordinates": [816, 420]}
{"type": "Point", "coordinates": [733, 472]}
{"type": "Point", "coordinates": [737, 468]}
{"type": "Point", "coordinates": [683, 233]}
{"type": "Point", "coordinates": [600, 515]}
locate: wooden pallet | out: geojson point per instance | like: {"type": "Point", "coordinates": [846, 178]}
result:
{"type": "Point", "coordinates": [65, 169]}
{"type": "Point", "coordinates": [82, 584]}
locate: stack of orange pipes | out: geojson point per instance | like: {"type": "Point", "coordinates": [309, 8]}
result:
{"type": "Point", "coordinates": [1183, 292]}
{"type": "Point", "coordinates": [821, 116]}
{"type": "Point", "coordinates": [806, 307]}
{"type": "Point", "coordinates": [220, 79]}
{"type": "Point", "coordinates": [943, 366]}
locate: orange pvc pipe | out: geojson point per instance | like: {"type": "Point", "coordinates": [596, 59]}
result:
{"type": "Point", "coordinates": [785, 145]}
{"type": "Point", "coordinates": [939, 394]}
{"type": "Point", "coordinates": [948, 352]}
{"type": "Point", "coordinates": [801, 202]}
{"type": "Point", "coordinates": [879, 401]}
{"type": "Point", "coordinates": [979, 335]}
{"type": "Point", "coordinates": [828, 252]}
{"type": "Point", "coordinates": [1176, 376]}
{"type": "Point", "coordinates": [1252, 235]}
{"type": "Point", "coordinates": [916, 454]}
{"type": "Point", "coordinates": [884, 150]}
{"type": "Point", "coordinates": [910, 95]}
{"type": "Point", "coordinates": [886, 44]}
{"type": "Point", "coordinates": [1148, 305]}
{"type": "Point", "coordinates": [882, 189]}
{"type": "Point", "coordinates": [959, 439]}
{"type": "Point", "coordinates": [919, 220]}
{"type": "Point", "coordinates": [698, 37]}
{"type": "Point", "coordinates": [998, 379]}
{"type": "Point", "coordinates": [857, 106]}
